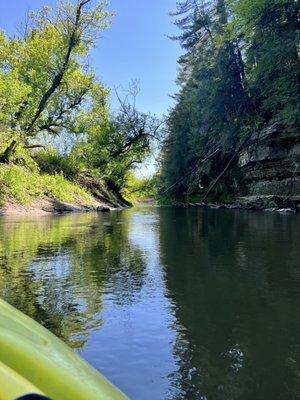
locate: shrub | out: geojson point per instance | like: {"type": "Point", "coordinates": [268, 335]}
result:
{"type": "Point", "coordinates": [51, 162]}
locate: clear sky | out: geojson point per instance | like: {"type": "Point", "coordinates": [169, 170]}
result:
{"type": "Point", "coordinates": [135, 47]}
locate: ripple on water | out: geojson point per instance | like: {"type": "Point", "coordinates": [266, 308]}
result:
{"type": "Point", "coordinates": [168, 303]}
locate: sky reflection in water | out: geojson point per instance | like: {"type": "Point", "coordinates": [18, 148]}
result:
{"type": "Point", "coordinates": [168, 303]}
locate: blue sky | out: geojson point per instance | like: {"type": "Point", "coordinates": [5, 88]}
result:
{"type": "Point", "coordinates": [135, 47]}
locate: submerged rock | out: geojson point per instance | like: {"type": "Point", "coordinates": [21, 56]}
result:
{"type": "Point", "coordinates": [286, 210]}
{"type": "Point", "coordinates": [103, 209]}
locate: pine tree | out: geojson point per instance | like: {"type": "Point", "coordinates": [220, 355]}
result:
{"type": "Point", "coordinates": [239, 72]}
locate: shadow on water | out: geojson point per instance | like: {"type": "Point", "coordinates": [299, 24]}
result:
{"type": "Point", "coordinates": [235, 278]}
{"type": "Point", "coordinates": [169, 303]}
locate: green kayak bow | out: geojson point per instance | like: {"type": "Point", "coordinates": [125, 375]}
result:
{"type": "Point", "coordinates": [35, 362]}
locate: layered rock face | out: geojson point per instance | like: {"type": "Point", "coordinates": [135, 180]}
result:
{"type": "Point", "coordinates": [270, 164]}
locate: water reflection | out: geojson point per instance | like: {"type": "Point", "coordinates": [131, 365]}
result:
{"type": "Point", "coordinates": [54, 270]}
{"type": "Point", "coordinates": [235, 279]}
{"type": "Point", "coordinates": [168, 303]}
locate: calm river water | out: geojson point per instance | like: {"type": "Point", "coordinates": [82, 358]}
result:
{"type": "Point", "coordinates": [168, 303]}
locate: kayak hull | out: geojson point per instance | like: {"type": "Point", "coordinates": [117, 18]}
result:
{"type": "Point", "coordinates": [33, 360]}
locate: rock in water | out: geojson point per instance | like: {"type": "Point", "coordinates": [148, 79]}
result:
{"type": "Point", "coordinates": [103, 209]}
{"type": "Point", "coordinates": [286, 210]}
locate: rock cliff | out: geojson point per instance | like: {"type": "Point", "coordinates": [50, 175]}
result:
{"type": "Point", "coordinates": [270, 164]}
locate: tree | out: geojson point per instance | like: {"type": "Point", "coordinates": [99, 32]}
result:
{"type": "Point", "coordinates": [49, 65]}
{"type": "Point", "coordinates": [213, 99]}
{"type": "Point", "coordinates": [270, 31]}
{"type": "Point", "coordinates": [238, 74]}
{"type": "Point", "coordinates": [114, 144]}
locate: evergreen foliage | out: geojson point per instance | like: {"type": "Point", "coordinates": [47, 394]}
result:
{"type": "Point", "coordinates": [239, 73]}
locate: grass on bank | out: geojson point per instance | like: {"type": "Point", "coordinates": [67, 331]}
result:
{"type": "Point", "coordinates": [25, 186]}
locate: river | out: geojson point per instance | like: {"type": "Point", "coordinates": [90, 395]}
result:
{"type": "Point", "coordinates": [168, 303]}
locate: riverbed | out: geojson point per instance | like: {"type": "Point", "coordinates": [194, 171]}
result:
{"type": "Point", "coordinates": [168, 303]}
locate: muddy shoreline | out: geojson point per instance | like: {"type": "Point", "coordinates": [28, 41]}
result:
{"type": "Point", "coordinates": [46, 206]}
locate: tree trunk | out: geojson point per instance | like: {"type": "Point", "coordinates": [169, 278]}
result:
{"type": "Point", "coordinates": [58, 78]}
{"type": "Point", "coordinates": [9, 152]}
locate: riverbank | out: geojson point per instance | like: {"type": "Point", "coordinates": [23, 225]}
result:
{"type": "Point", "coordinates": [46, 206]}
{"type": "Point", "coordinates": [27, 192]}
{"type": "Point", "coordinates": [284, 204]}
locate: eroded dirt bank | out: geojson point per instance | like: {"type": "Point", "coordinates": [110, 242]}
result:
{"type": "Point", "coordinates": [47, 206]}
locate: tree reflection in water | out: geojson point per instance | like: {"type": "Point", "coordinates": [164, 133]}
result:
{"type": "Point", "coordinates": [233, 277]}
{"type": "Point", "coordinates": [54, 270]}
{"type": "Point", "coordinates": [194, 304]}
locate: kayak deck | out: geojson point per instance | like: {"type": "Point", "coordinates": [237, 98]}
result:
{"type": "Point", "coordinates": [33, 360]}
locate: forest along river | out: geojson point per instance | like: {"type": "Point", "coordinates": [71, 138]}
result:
{"type": "Point", "coordinates": [168, 303]}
